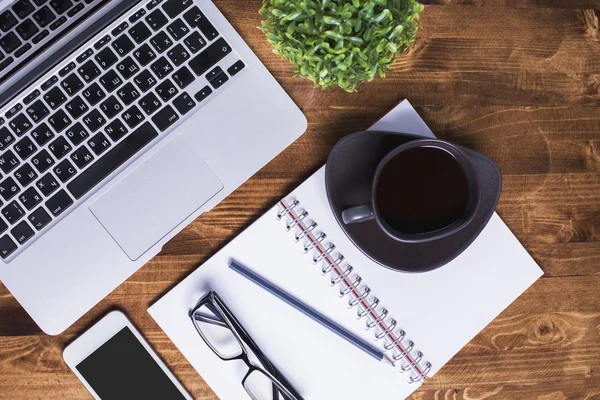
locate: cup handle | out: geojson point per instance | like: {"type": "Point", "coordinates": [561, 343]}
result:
{"type": "Point", "coordinates": [358, 214]}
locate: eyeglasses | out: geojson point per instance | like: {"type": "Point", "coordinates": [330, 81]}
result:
{"type": "Point", "coordinates": [226, 337]}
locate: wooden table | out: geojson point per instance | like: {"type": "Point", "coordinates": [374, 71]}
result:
{"type": "Point", "coordinates": [517, 80]}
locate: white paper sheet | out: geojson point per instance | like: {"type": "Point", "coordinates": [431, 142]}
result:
{"type": "Point", "coordinates": [440, 310]}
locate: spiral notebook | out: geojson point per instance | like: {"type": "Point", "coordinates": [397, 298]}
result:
{"type": "Point", "coordinates": [420, 319]}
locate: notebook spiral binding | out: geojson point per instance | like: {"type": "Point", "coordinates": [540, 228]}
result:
{"type": "Point", "coordinates": [350, 284]}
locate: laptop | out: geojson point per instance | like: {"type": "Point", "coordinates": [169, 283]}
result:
{"type": "Point", "coordinates": [121, 122]}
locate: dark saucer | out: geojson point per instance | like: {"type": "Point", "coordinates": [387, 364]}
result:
{"type": "Point", "coordinates": [349, 175]}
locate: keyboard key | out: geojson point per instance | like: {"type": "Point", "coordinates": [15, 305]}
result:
{"type": "Point", "coordinates": [166, 90]}
{"type": "Point", "coordinates": [22, 232]}
{"type": "Point", "coordinates": [235, 68]}
{"type": "Point", "coordinates": [115, 130]}
{"type": "Point", "coordinates": [152, 4]}
{"type": "Point", "coordinates": [183, 77]}
{"type": "Point", "coordinates": [39, 219]}
{"type": "Point", "coordinates": [178, 29]}
{"type": "Point", "coordinates": [9, 188]}
{"type": "Point", "coordinates": [77, 134]}
{"type": "Point", "coordinates": [60, 148]}
{"type": "Point", "coordinates": [209, 57]}
{"type": "Point", "coordinates": [66, 69]}
{"type": "Point", "coordinates": [44, 16]}
{"type": "Point", "coordinates": [76, 107]}
{"type": "Point", "coordinates": [94, 121]}
{"type": "Point", "coordinates": [145, 80]}
{"type": "Point", "coordinates": [64, 171]}
{"type": "Point", "coordinates": [23, 8]}
{"type": "Point", "coordinates": [175, 7]}
{"type": "Point", "coordinates": [30, 198]}
{"type": "Point", "coordinates": [6, 63]}
{"type": "Point", "coordinates": [6, 138]}
{"type": "Point", "coordinates": [59, 121]}
{"type": "Point", "coordinates": [61, 6]}
{"type": "Point", "coordinates": [140, 32]}
{"type": "Point", "coordinates": [89, 71]}
{"type": "Point", "coordinates": [8, 161]}
{"type": "Point", "coordinates": [42, 134]}
{"type": "Point", "coordinates": [165, 118]}
{"type": "Point", "coordinates": [25, 148]}
{"type": "Point", "coordinates": [82, 157]}
{"type": "Point", "coordinates": [119, 29]}
{"type": "Point", "coordinates": [3, 228]}
{"type": "Point", "coordinates": [196, 19]}
{"type": "Point", "coordinates": [24, 49]}
{"type": "Point", "coordinates": [161, 68]}
{"type": "Point", "coordinates": [184, 103]}
{"type": "Point", "coordinates": [59, 203]}
{"type": "Point", "coordinates": [139, 14]}
{"type": "Point", "coordinates": [75, 10]}
{"type": "Point", "coordinates": [47, 185]}
{"type": "Point", "coordinates": [110, 81]}
{"type": "Point", "coordinates": [20, 124]}
{"type": "Point", "coordinates": [27, 29]}
{"type": "Point", "coordinates": [127, 68]}
{"type": "Point", "coordinates": [25, 175]}
{"type": "Point", "coordinates": [42, 161]}
{"type": "Point", "coordinates": [111, 107]}
{"type": "Point", "coordinates": [40, 36]}
{"type": "Point", "coordinates": [156, 20]}
{"type": "Point", "coordinates": [178, 55]}
{"type": "Point", "coordinates": [123, 45]}
{"type": "Point", "coordinates": [214, 73]}
{"type": "Point", "coordinates": [112, 160]}
{"type": "Point", "coordinates": [56, 24]}
{"type": "Point", "coordinates": [219, 80]}
{"type": "Point", "coordinates": [102, 42]}
{"type": "Point", "coordinates": [133, 117]}
{"type": "Point", "coordinates": [54, 98]}
{"type": "Point", "coordinates": [72, 84]}
{"type": "Point", "coordinates": [85, 55]}
{"type": "Point", "coordinates": [149, 103]}
{"type": "Point", "coordinates": [93, 94]}
{"type": "Point", "coordinates": [195, 42]}
{"type": "Point", "coordinates": [10, 42]}
{"type": "Point", "coordinates": [144, 55]}
{"type": "Point", "coordinates": [203, 94]}
{"type": "Point", "coordinates": [37, 111]}
{"type": "Point", "coordinates": [106, 58]}
{"type": "Point", "coordinates": [7, 246]}
{"type": "Point", "coordinates": [48, 84]}
{"type": "Point", "coordinates": [13, 212]}
{"type": "Point", "coordinates": [161, 42]}
{"type": "Point", "coordinates": [99, 143]}
{"type": "Point", "coordinates": [128, 94]}
{"type": "Point", "coordinates": [13, 111]}
{"type": "Point", "coordinates": [7, 21]}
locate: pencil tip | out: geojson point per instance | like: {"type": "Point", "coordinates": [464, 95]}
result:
{"type": "Point", "coordinates": [386, 360]}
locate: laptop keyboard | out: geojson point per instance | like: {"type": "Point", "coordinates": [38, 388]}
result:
{"type": "Point", "coordinates": [120, 92]}
{"type": "Point", "coordinates": [28, 24]}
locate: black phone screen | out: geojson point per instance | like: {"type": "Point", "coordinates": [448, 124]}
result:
{"type": "Point", "coordinates": [122, 369]}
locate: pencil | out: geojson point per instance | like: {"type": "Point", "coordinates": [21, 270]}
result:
{"type": "Point", "coordinates": [310, 312]}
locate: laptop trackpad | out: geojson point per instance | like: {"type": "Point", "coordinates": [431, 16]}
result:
{"type": "Point", "coordinates": [156, 197]}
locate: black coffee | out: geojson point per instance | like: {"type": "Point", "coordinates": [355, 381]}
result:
{"type": "Point", "coordinates": [423, 189]}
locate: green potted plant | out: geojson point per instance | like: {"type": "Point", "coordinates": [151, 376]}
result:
{"type": "Point", "coordinates": [340, 42]}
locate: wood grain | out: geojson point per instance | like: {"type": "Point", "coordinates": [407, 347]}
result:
{"type": "Point", "coordinates": [517, 80]}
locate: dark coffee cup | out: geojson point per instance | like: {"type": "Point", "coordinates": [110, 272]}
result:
{"type": "Point", "coordinates": [422, 190]}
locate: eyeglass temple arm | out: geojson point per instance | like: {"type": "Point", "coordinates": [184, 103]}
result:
{"type": "Point", "coordinates": [210, 320]}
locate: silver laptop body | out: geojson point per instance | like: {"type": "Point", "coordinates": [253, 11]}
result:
{"type": "Point", "coordinates": [109, 153]}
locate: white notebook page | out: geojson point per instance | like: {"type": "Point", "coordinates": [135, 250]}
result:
{"type": "Point", "coordinates": [440, 310]}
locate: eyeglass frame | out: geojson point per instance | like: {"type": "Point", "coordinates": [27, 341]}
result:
{"type": "Point", "coordinates": [217, 306]}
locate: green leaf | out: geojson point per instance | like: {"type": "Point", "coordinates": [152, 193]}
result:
{"type": "Point", "coordinates": [340, 42]}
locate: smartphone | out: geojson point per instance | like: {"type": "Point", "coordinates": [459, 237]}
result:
{"type": "Point", "coordinates": [114, 362]}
